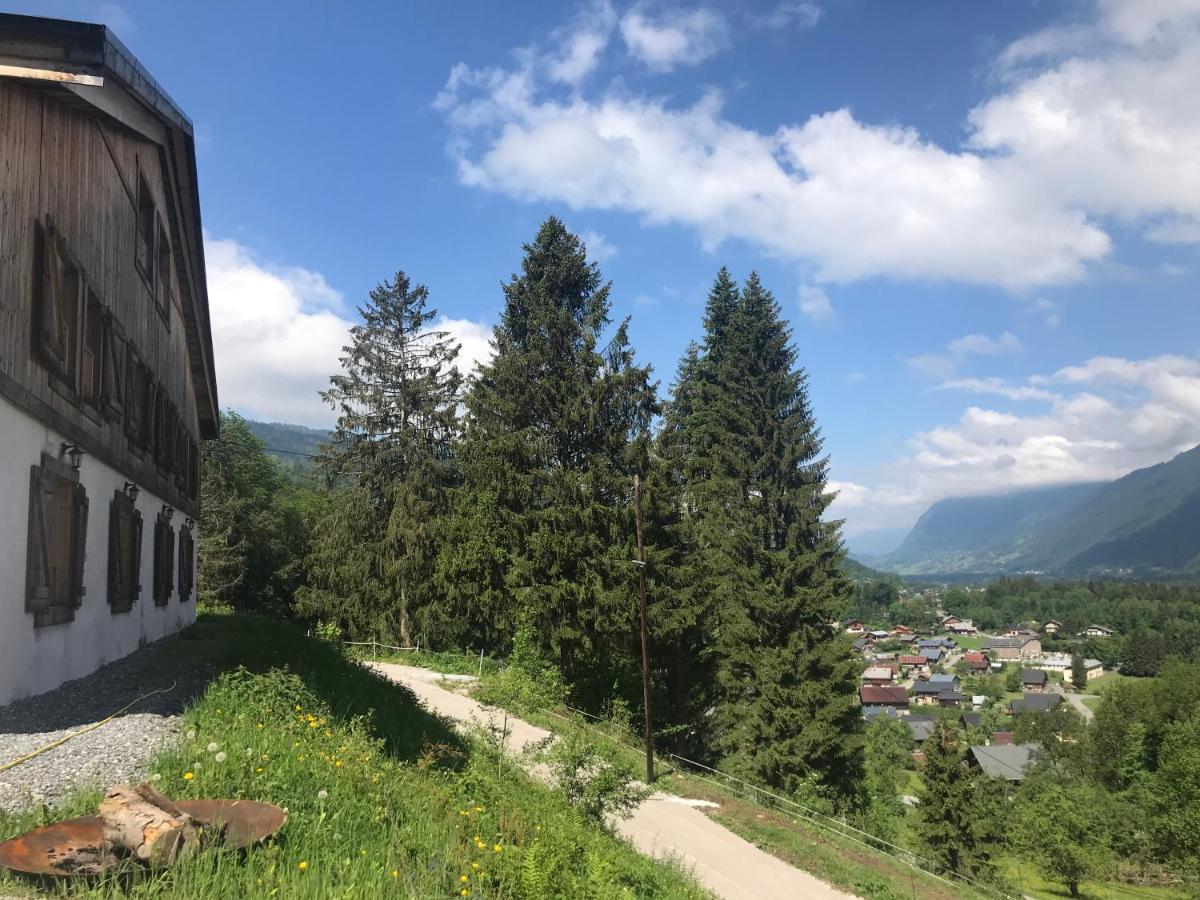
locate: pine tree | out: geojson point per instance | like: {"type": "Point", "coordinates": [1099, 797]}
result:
{"type": "Point", "coordinates": [957, 817]}
{"type": "Point", "coordinates": [1078, 672]}
{"type": "Point", "coordinates": [376, 543]}
{"type": "Point", "coordinates": [748, 454]}
{"type": "Point", "coordinates": [221, 552]}
{"type": "Point", "coordinates": [556, 427]}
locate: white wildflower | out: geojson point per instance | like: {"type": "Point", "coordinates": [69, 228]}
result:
{"type": "Point", "coordinates": [322, 794]}
{"type": "Point", "coordinates": [191, 735]}
{"type": "Point", "coordinates": [220, 757]}
{"type": "Point", "coordinates": [212, 747]}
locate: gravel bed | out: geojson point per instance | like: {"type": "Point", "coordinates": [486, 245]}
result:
{"type": "Point", "coordinates": [117, 751]}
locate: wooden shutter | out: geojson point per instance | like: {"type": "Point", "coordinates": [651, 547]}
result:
{"type": "Point", "coordinates": [134, 386]}
{"type": "Point", "coordinates": [57, 309]}
{"type": "Point", "coordinates": [112, 381]}
{"type": "Point", "coordinates": [92, 358]}
{"type": "Point", "coordinates": [124, 553]}
{"type": "Point", "coordinates": [164, 560]}
{"type": "Point", "coordinates": [162, 294]}
{"type": "Point", "coordinates": [57, 543]}
{"type": "Point", "coordinates": [144, 240]}
{"type": "Point", "coordinates": [187, 563]}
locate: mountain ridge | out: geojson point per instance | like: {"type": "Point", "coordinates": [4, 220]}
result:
{"type": "Point", "coordinates": [1144, 523]}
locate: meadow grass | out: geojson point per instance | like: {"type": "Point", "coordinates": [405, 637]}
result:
{"type": "Point", "coordinates": [448, 662]}
{"type": "Point", "coordinates": [383, 799]}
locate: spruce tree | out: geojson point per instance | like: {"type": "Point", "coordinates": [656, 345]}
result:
{"type": "Point", "coordinates": [557, 424]}
{"type": "Point", "coordinates": [754, 483]}
{"type": "Point", "coordinates": [375, 545]}
{"type": "Point", "coordinates": [958, 814]}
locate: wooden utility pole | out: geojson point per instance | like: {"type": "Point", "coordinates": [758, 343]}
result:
{"type": "Point", "coordinates": [641, 564]}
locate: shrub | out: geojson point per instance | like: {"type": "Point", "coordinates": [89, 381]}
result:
{"type": "Point", "coordinates": [594, 778]}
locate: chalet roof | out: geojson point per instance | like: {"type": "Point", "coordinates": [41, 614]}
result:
{"type": "Point", "coordinates": [1033, 676]}
{"type": "Point", "coordinates": [951, 696]}
{"type": "Point", "coordinates": [929, 688]}
{"type": "Point", "coordinates": [883, 695]}
{"type": "Point", "coordinates": [1010, 643]}
{"type": "Point", "coordinates": [1007, 761]}
{"type": "Point", "coordinates": [1035, 703]}
{"type": "Point", "coordinates": [877, 673]}
{"type": "Point", "coordinates": [921, 728]}
{"type": "Point", "coordinates": [972, 719]}
{"type": "Point", "coordinates": [86, 66]}
{"type": "Point", "coordinates": [909, 659]}
{"type": "Point", "coordinates": [943, 679]}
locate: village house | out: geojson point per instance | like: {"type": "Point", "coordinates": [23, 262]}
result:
{"type": "Point", "coordinates": [920, 727]}
{"type": "Point", "coordinates": [901, 630]}
{"type": "Point", "coordinates": [1098, 631]}
{"type": "Point", "coordinates": [853, 626]}
{"type": "Point", "coordinates": [1051, 627]}
{"type": "Point", "coordinates": [1033, 680]}
{"type": "Point", "coordinates": [1013, 647]}
{"type": "Point", "coordinates": [1031, 702]}
{"type": "Point", "coordinates": [964, 626]}
{"type": "Point", "coordinates": [977, 662]}
{"type": "Point", "coordinates": [1009, 762]}
{"type": "Point", "coordinates": [878, 675]}
{"type": "Point", "coordinates": [107, 383]}
{"type": "Point", "coordinates": [879, 695]}
{"type": "Point", "coordinates": [913, 664]}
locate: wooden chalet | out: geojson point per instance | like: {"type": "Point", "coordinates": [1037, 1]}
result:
{"type": "Point", "coordinates": [107, 383]}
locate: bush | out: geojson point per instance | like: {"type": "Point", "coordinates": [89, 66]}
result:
{"type": "Point", "coordinates": [330, 632]}
{"type": "Point", "coordinates": [593, 778]}
{"type": "Point", "coordinates": [528, 685]}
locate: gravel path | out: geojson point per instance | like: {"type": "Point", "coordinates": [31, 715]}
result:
{"type": "Point", "coordinates": [662, 827]}
{"type": "Point", "coordinates": [115, 752]}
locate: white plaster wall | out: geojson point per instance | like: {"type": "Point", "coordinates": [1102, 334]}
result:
{"type": "Point", "coordinates": [35, 660]}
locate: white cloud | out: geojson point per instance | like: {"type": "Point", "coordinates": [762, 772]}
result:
{"type": "Point", "coordinates": [278, 334]}
{"type": "Point", "coordinates": [999, 387]}
{"type": "Point", "coordinates": [583, 44]}
{"type": "Point", "coordinates": [599, 248]}
{"type": "Point", "coordinates": [675, 37]}
{"type": "Point", "coordinates": [789, 14]}
{"type": "Point", "coordinates": [942, 365]}
{"type": "Point", "coordinates": [474, 338]}
{"type": "Point", "coordinates": [815, 305]}
{"type": "Point", "coordinates": [1091, 122]}
{"type": "Point", "coordinates": [1175, 231]}
{"type": "Point", "coordinates": [1106, 417]}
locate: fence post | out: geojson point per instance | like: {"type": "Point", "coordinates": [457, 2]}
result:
{"type": "Point", "coordinates": [481, 662]}
{"type": "Point", "coordinates": [373, 653]}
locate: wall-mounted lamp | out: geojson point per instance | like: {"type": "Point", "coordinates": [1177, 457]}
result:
{"type": "Point", "coordinates": [168, 511]}
{"type": "Point", "coordinates": [132, 491]}
{"type": "Point", "coordinates": [73, 451]}
{"type": "Point", "coordinates": [191, 523]}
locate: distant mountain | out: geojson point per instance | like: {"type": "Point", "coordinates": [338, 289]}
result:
{"type": "Point", "coordinates": [868, 546]}
{"type": "Point", "coordinates": [1147, 523]}
{"type": "Point", "coordinates": [293, 445]}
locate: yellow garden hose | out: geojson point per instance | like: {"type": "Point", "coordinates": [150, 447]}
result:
{"type": "Point", "coordinates": [12, 764]}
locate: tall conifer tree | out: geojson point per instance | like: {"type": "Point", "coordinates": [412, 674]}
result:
{"type": "Point", "coordinates": [747, 451]}
{"type": "Point", "coordinates": [376, 542]}
{"type": "Point", "coordinates": [556, 427]}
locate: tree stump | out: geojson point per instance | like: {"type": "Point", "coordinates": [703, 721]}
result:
{"type": "Point", "coordinates": [142, 823]}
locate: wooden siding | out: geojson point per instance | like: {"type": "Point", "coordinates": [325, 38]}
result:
{"type": "Point", "coordinates": [77, 168]}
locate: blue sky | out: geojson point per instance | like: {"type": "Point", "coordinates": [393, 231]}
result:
{"type": "Point", "coordinates": [981, 219]}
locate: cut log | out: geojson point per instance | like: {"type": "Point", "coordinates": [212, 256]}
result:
{"type": "Point", "coordinates": [142, 823]}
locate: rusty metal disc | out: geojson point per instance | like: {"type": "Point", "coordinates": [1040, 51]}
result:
{"type": "Point", "coordinates": [76, 846]}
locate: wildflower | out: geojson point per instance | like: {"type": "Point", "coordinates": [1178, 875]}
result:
{"type": "Point", "coordinates": [249, 751]}
{"type": "Point", "coordinates": [479, 809]}
{"type": "Point", "coordinates": [260, 724]}
{"type": "Point", "coordinates": [156, 777]}
{"type": "Point", "coordinates": [395, 873]}
{"type": "Point", "coordinates": [221, 757]}
{"type": "Point", "coordinates": [212, 747]}
{"type": "Point", "coordinates": [463, 892]}
{"type": "Point", "coordinates": [191, 735]}
{"type": "Point", "coordinates": [463, 878]}
{"type": "Point", "coordinates": [474, 865]}
{"type": "Point", "coordinates": [498, 848]}
{"type": "Point", "coordinates": [322, 794]}
{"type": "Point", "coordinates": [188, 776]}
{"type": "Point", "coordinates": [338, 763]}
{"type": "Point", "coordinates": [297, 707]}
{"type": "Point", "coordinates": [258, 770]}
{"type": "Point", "coordinates": [197, 765]}
{"type": "Point", "coordinates": [303, 865]}
{"type": "Point", "coordinates": [312, 724]}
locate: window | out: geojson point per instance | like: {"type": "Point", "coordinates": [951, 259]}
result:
{"type": "Point", "coordinates": [56, 331]}
{"type": "Point", "coordinates": [92, 359]}
{"type": "Point", "coordinates": [112, 381]}
{"type": "Point", "coordinates": [187, 564]}
{"type": "Point", "coordinates": [164, 559]}
{"type": "Point", "coordinates": [124, 553]}
{"type": "Point", "coordinates": [162, 295]}
{"type": "Point", "coordinates": [138, 400]}
{"type": "Point", "coordinates": [147, 220]}
{"type": "Point", "coordinates": [164, 429]}
{"type": "Point", "coordinates": [58, 511]}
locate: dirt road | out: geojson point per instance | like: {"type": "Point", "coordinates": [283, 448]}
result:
{"type": "Point", "coordinates": [662, 826]}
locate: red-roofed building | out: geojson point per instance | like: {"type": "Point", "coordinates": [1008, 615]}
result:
{"type": "Point", "coordinates": [914, 663]}
{"type": "Point", "coordinates": [882, 695]}
{"type": "Point", "coordinates": [976, 661]}
{"type": "Point", "coordinates": [1002, 737]}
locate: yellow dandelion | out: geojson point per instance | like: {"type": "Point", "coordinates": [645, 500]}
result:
{"type": "Point", "coordinates": [297, 707]}
{"type": "Point", "coordinates": [303, 865]}
{"type": "Point", "coordinates": [474, 865]}
{"type": "Point", "coordinates": [498, 848]}
{"type": "Point", "coordinates": [395, 873]}
{"type": "Point", "coordinates": [463, 892]}
{"type": "Point", "coordinates": [479, 809]}
{"type": "Point", "coordinates": [188, 776]}
{"type": "Point", "coordinates": [260, 724]}
{"type": "Point", "coordinates": [338, 764]}
{"type": "Point", "coordinates": [363, 851]}
{"type": "Point", "coordinates": [463, 878]}
{"type": "Point", "coordinates": [259, 769]}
